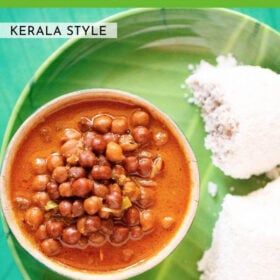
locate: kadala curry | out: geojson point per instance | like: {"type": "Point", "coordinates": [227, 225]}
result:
{"type": "Point", "coordinates": [100, 185]}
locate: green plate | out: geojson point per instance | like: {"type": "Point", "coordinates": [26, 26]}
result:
{"type": "Point", "coordinates": [150, 58]}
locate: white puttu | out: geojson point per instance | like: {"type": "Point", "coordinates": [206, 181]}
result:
{"type": "Point", "coordinates": [246, 238]}
{"type": "Point", "coordinates": [241, 110]}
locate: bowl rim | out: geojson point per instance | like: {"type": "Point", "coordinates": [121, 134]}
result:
{"type": "Point", "coordinates": [62, 102]}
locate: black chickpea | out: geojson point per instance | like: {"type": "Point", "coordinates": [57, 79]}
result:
{"type": "Point", "coordinates": [140, 117]}
{"type": "Point", "coordinates": [111, 137]}
{"type": "Point", "coordinates": [71, 235]}
{"type": "Point", "coordinates": [145, 167]}
{"type": "Point", "coordinates": [85, 124]}
{"type": "Point", "coordinates": [128, 143]}
{"type": "Point", "coordinates": [160, 138]}
{"type": "Point", "coordinates": [41, 232]}
{"type": "Point", "coordinates": [147, 220]}
{"type": "Point", "coordinates": [81, 225]}
{"type": "Point", "coordinates": [51, 247]}
{"type": "Point", "coordinates": [65, 189]}
{"type": "Point", "coordinates": [76, 172]}
{"type": "Point", "coordinates": [119, 125]}
{"type": "Point", "coordinates": [52, 189]}
{"type": "Point", "coordinates": [40, 182]}
{"type": "Point", "coordinates": [101, 172]}
{"type": "Point", "coordinates": [147, 197]}
{"type": "Point", "coordinates": [54, 160]}
{"type": "Point", "coordinates": [167, 222]}
{"type": "Point", "coordinates": [114, 152]}
{"type": "Point", "coordinates": [70, 133]}
{"type": "Point", "coordinates": [114, 200]}
{"type": "Point", "coordinates": [131, 164]}
{"type": "Point", "coordinates": [87, 139]}
{"type": "Point", "coordinates": [115, 188]}
{"type": "Point", "coordinates": [102, 123]}
{"type": "Point", "coordinates": [70, 148]}
{"type": "Point", "coordinates": [100, 190]}
{"type": "Point", "coordinates": [77, 208]}
{"type": "Point", "coordinates": [40, 199]}
{"type": "Point", "coordinates": [119, 235]}
{"type": "Point", "coordinates": [98, 144]}
{"type": "Point", "coordinates": [60, 174]}
{"type": "Point", "coordinates": [102, 160]}
{"type": "Point", "coordinates": [132, 216]}
{"type": "Point", "coordinates": [131, 190]}
{"type": "Point", "coordinates": [117, 172]}
{"type": "Point", "coordinates": [87, 158]}
{"type": "Point", "coordinates": [107, 226]}
{"type": "Point", "coordinates": [92, 204]}
{"type": "Point", "coordinates": [141, 134]}
{"type": "Point", "coordinates": [82, 187]}
{"type": "Point", "coordinates": [92, 224]}
{"type": "Point", "coordinates": [97, 238]}
{"type": "Point", "coordinates": [39, 165]}
{"type": "Point", "coordinates": [54, 228]}
{"type": "Point", "coordinates": [34, 217]}
{"type": "Point", "coordinates": [22, 203]}
{"type": "Point", "coordinates": [65, 208]}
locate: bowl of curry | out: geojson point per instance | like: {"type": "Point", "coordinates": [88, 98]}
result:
{"type": "Point", "coordinates": [99, 183]}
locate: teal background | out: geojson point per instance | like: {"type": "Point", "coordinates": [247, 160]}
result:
{"type": "Point", "coordinates": [20, 58]}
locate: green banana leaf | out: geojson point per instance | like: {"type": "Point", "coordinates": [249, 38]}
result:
{"type": "Point", "coordinates": [152, 58]}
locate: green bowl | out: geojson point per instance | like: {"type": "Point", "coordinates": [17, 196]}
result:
{"type": "Point", "coordinates": [151, 58]}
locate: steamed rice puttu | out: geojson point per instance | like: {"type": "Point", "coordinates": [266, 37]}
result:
{"type": "Point", "coordinates": [240, 105]}
{"type": "Point", "coordinates": [246, 238]}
